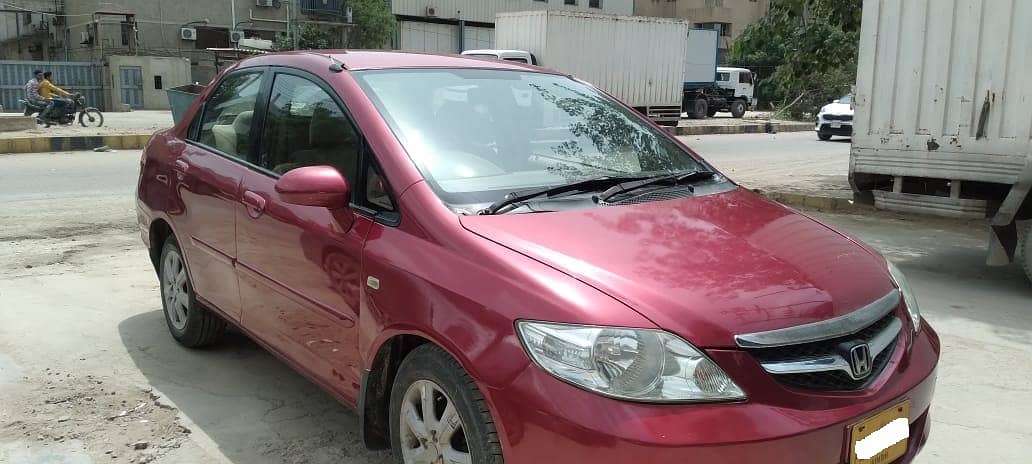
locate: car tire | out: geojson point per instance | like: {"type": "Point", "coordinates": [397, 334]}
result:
{"type": "Point", "coordinates": [191, 324]}
{"type": "Point", "coordinates": [1023, 255]}
{"type": "Point", "coordinates": [737, 109]}
{"type": "Point", "coordinates": [824, 137]}
{"type": "Point", "coordinates": [428, 375]}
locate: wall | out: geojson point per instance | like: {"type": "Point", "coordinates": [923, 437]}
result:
{"type": "Point", "coordinates": [158, 24]}
{"type": "Point", "coordinates": [26, 41]}
{"type": "Point", "coordinates": [739, 13]}
{"type": "Point", "coordinates": [484, 10]}
{"type": "Point", "coordinates": [173, 71]}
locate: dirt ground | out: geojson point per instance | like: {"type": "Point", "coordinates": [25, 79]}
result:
{"type": "Point", "coordinates": [133, 122]}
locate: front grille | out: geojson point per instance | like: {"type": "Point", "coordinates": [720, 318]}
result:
{"type": "Point", "coordinates": [831, 380]}
{"type": "Point", "coordinates": [838, 117]}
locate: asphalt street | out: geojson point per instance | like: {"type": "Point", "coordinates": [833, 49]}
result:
{"type": "Point", "coordinates": [88, 371]}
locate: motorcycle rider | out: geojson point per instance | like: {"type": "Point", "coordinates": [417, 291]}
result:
{"type": "Point", "coordinates": [51, 92]}
{"type": "Point", "coordinates": [32, 95]}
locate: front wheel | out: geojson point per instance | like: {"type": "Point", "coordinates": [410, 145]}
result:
{"type": "Point", "coordinates": [438, 414]}
{"type": "Point", "coordinates": [737, 109]}
{"type": "Point", "coordinates": [823, 136]}
{"type": "Point", "coordinates": [91, 117]}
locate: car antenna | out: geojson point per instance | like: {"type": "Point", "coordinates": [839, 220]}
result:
{"type": "Point", "coordinates": [335, 64]}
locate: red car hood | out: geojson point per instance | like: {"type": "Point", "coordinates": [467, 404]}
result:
{"type": "Point", "coordinates": [706, 268]}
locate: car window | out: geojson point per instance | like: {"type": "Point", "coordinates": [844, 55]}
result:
{"type": "Point", "coordinates": [846, 100]}
{"type": "Point", "coordinates": [376, 193]}
{"type": "Point", "coordinates": [226, 122]}
{"type": "Point", "coordinates": [745, 78]}
{"type": "Point", "coordinates": [304, 126]}
{"type": "Point", "coordinates": [723, 76]}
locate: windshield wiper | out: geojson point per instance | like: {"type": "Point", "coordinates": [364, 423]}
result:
{"type": "Point", "coordinates": [510, 200]}
{"type": "Point", "coordinates": [672, 179]}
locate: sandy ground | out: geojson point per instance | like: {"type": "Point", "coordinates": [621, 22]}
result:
{"type": "Point", "coordinates": [89, 374]}
{"type": "Point", "coordinates": [133, 122]}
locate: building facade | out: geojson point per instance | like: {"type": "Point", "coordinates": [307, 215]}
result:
{"type": "Point", "coordinates": [730, 17]}
{"type": "Point", "coordinates": [452, 26]}
{"type": "Point", "coordinates": [25, 29]}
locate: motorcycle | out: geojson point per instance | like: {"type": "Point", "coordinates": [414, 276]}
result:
{"type": "Point", "coordinates": [87, 115]}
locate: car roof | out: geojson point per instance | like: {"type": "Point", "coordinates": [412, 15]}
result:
{"type": "Point", "coordinates": [386, 59]}
{"type": "Point", "coordinates": [731, 69]}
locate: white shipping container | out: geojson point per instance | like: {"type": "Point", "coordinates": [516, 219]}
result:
{"type": "Point", "coordinates": [639, 60]}
{"type": "Point", "coordinates": [943, 93]}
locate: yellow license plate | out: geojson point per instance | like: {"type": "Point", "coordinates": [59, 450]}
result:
{"type": "Point", "coordinates": [881, 438]}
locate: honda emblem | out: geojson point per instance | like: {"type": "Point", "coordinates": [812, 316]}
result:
{"type": "Point", "coordinates": [860, 361]}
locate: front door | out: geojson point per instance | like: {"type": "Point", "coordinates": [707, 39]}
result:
{"type": "Point", "coordinates": [131, 86]}
{"type": "Point", "coordinates": [206, 177]}
{"type": "Point", "coordinates": [299, 266]}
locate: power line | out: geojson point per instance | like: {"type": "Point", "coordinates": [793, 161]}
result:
{"type": "Point", "coordinates": [27, 10]}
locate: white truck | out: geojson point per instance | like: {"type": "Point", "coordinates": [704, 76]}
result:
{"type": "Point", "coordinates": [651, 64]}
{"type": "Point", "coordinates": [942, 121]}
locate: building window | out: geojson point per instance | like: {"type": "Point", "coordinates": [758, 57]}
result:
{"type": "Point", "coordinates": [570, 2]}
{"type": "Point", "coordinates": [210, 37]}
{"type": "Point", "coordinates": [723, 28]}
{"type": "Point", "coordinates": [157, 83]}
{"type": "Point", "coordinates": [127, 32]}
{"type": "Point", "coordinates": [594, 3]}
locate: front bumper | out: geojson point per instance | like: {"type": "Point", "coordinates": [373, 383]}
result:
{"type": "Point", "coordinates": [541, 419]}
{"type": "Point", "coordinates": [845, 129]}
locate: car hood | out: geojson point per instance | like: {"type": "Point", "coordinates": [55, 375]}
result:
{"type": "Point", "coordinates": [706, 268]}
{"type": "Point", "coordinates": [837, 108]}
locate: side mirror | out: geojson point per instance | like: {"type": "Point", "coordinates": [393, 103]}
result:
{"type": "Point", "coordinates": [314, 186]}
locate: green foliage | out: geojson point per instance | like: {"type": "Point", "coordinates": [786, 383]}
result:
{"type": "Point", "coordinates": [803, 51]}
{"type": "Point", "coordinates": [374, 24]}
{"type": "Point", "coordinates": [308, 38]}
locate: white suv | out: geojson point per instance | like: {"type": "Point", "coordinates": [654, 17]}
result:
{"type": "Point", "coordinates": [836, 118]}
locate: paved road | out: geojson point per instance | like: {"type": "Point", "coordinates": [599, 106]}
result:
{"type": "Point", "coordinates": [793, 162]}
{"type": "Point", "coordinates": [87, 367]}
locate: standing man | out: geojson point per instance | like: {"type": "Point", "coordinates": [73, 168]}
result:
{"type": "Point", "coordinates": [32, 95]}
{"type": "Point", "coordinates": [51, 92]}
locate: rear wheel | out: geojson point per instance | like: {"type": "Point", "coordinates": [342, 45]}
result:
{"type": "Point", "coordinates": [438, 414]}
{"type": "Point", "coordinates": [91, 117]}
{"type": "Point", "coordinates": [1024, 253]}
{"type": "Point", "coordinates": [191, 324]}
{"type": "Point", "coordinates": [700, 108]}
{"type": "Point", "coordinates": [737, 109]}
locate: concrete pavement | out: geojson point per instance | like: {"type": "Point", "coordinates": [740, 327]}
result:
{"type": "Point", "coordinates": [82, 337]}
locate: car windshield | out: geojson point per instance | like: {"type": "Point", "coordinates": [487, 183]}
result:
{"type": "Point", "coordinates": [478, 134]}
{"type": "Point", "coordinates": [846, 100]}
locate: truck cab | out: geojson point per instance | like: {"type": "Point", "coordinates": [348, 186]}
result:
{"type": "Point", "coordinates": [519, 56]}
{"type": "Point", "coordinates": [738, 82]}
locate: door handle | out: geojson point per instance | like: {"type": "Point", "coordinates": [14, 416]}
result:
{"type": "Point", "coordinates": [255, 204]}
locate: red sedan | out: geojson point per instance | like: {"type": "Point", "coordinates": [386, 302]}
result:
{"type": "Point", "coordinates": [492, 262]}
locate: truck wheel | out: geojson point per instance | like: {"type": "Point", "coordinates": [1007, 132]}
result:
{"type": "Point", "coordinates": [1024, 253]}
{"type": "Point", "coordinates": [700, 108]}
{"type": "Point", "coordinates": [737, 109]}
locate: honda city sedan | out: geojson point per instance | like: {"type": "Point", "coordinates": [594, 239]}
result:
{"type": "Point", "coordinates": [493, 262]}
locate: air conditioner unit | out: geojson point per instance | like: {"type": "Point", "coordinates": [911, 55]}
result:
{"type": "Point", "coordinates": [431, 11]}
{"type": "Point", "coordinates": [267, 3]}
{"type": "Point", "coordinates": [236, 36]}
{"type": "Point", "coordinates": [188, 33]}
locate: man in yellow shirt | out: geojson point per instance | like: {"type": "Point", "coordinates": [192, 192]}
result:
{"type": "Point", "coordinates": [51, 92]}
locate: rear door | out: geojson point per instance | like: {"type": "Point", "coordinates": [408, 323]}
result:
{"type": "Point", "coordinates": [299, 266]}
{"type": "Point", "coordinates": [207, 176]}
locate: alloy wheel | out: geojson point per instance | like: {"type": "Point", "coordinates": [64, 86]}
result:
{"type": "Point", "coordinates": [431, 429]}
{"type": "Point", "coordinates": [176, 289]}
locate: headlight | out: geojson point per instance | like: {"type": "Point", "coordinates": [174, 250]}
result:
{"type": "Point", "coordinates": [908, 295]}
{"type": "Point", "coordinates": [630, 364]}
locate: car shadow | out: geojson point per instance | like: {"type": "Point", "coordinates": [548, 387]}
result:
{"type": "Point", "coordinates": [255, 408]}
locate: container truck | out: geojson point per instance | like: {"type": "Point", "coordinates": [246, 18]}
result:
{"type": "Point", "coordinates": [942, 124]}
{"type": "Point", "coordinates": [709, 89]}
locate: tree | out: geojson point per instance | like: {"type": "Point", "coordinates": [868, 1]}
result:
{"type": "Point", "coordinates": [803, 52]}
{"type": "Point", "coordinates": [308, 38]}
{"type": "Point", "coordinates": [374, 24]}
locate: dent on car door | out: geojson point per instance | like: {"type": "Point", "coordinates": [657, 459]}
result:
{"type": "Point", "coordinates": [207, 177]}
{"type": "Point", "coordinates": [299, 266]}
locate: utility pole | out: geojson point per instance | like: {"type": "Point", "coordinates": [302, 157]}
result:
{"type": "Point", "coordinates": [296, 30]}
